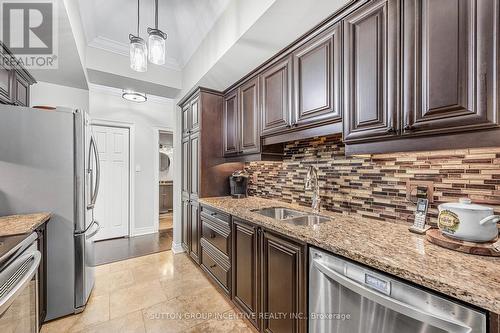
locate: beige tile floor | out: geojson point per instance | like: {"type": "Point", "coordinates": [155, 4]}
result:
{"type": "Point", "coordinates": [161, 292]}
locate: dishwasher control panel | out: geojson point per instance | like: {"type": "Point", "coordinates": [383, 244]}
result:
{"type": "Point", "coordinates": [378, 284]}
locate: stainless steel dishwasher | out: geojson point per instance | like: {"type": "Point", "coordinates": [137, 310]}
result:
{"type": "Point", "coordinates": [349, 298]}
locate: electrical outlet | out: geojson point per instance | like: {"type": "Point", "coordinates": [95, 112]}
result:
{"type": "Point", "coordinates": [419, 189]}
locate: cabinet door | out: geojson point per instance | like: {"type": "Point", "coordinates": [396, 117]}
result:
{"type": "Point", "coordinates": [194, 230]}
{"type": "Point", "coordinates": [449, 77]}
{"type": "Point", "coordinates": [186, 165]}
{"type": "Point", "coordinates": [5, 84]}
{"type": "Point", "coordinates": [230, 124]}
{"type": "Point", "coordinates": [194, 147]}
{"type": "Point", "coordinates": [283, 285]}
{"type": "Point", "coordinates": [186, 217]}
{"type": "Point", "coordinates": [42, 273]}
{"type": "Point", "coordinates": [21, 91]}
{"type": "Point", "coordinates": [275, 96]}
{"type": "Point", "coordinates": [246, 269]}
{"type": "Point", "coordinates": [249, 117]}
{"type": "Point", "coordinates": [370, 71]}
{"type": "Point", "coordinates": [186, 119]}
{"type": "Point", "coordinates": [195, 115]}
{"type": "Point", "coordinates": [317, 75]}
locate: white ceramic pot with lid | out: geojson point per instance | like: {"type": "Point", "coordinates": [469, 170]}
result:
{"type": "Point", "coordinates": [467, 221]}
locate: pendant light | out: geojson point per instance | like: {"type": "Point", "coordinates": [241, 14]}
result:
{"type": "Point", "coordinates": [138, 49]}
{"type": "Point", "coordinates": [156, 42]}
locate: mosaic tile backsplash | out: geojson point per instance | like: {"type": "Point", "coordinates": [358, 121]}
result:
{"type": "Point", "coordinates": [375, 186]}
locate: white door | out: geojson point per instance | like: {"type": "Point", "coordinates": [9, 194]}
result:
{"type": "Point", "coordinates": [112, 206]}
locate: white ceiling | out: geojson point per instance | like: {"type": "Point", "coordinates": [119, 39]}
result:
{"type": "Point", "coordinates": [108, 23]}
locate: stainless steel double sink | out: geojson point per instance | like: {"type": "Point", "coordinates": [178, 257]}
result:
{"type": "Point", "coordinates": [291, 216]}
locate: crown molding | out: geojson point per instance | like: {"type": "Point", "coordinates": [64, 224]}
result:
{"type": "Point", "coordinates": [119, 48]}
{"type": "Point", "coordinates": [112, 91]}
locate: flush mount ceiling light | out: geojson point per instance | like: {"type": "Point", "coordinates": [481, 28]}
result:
{"type": "Point", "coordinates": [138, 49]}
{"type": "Point", "coordinates": [134, 96]}
{"type": "Point", "coordinates": [156, 42]}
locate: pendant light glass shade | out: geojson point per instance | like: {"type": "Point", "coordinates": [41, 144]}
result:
{"type": "Point", "coordinates": [156, 45]}
{"type": "Point", "coordinates": [138, 54]}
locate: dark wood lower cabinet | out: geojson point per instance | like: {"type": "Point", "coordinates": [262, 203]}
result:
{"type": "Point", "coordinates": [42, 273]}
{"type": "Point", "coordinates": [284, 303]}
{"type": "Point", "coordinates": [216, 265]}
{"type": "Point", "coordinates": [494, 323]}
{"type": "Point", "coordinates": [264, 273]}
{"type": "Point", "coordinates": [185, 222]}
{"type": "Point", "coordinates": [194, 228]}
{"type": "Point", "coordinates": [246, 272]}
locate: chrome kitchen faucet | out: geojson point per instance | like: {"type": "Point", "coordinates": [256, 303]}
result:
{"type": "Point", "coordinates": [312, 184]}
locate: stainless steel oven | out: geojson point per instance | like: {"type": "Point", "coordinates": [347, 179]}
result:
{"type": "Point", "coordinates": [19, 288]}
{"type": "Point", "coordinates": [349, 298]}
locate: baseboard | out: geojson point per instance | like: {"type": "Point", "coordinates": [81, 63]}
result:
{"type": "Point", "coordinates": [177, 248]}
{"type": "Point", "coordinates": [143, 231]}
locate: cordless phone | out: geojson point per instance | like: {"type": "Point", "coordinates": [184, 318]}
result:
{"type": "Point", "coordinates": [419, 226]}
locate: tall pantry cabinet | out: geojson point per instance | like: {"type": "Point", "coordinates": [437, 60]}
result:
{"type": "Point", "coordinates": [204, 171]}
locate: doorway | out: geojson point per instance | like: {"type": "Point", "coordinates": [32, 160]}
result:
{"type": "Point", "coordinates": [165, 181]}
{"type": "Point", "coordinates": [112, 208]}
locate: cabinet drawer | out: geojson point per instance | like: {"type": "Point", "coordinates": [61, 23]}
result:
{"type": "Point", "coordinates": [216, 216]}
{"type": "Point", "coordinates": [217, 267]}
{"type": "Point", "coordinates": [215, 235]}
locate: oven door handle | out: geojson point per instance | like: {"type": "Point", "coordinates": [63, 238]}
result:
{"type": "Point", "coordinates": [391, 303]}
{"type": "Point", "coordinates": [22, 281]}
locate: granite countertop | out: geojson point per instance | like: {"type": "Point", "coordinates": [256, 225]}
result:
{"type": "Point", "coordinates": [21, 224]}
{"type": "Point", "coordinates": [386, 246]}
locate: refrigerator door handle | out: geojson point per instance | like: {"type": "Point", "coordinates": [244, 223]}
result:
{"type": "Point", "coordinates": [96, 226]}
{"type": "Point", "coordinates": [95, 190]}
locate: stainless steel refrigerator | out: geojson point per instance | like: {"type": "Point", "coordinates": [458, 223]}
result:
{"type": "Point", "coordinates": [49, 162]}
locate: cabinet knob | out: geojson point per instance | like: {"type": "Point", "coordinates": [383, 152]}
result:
{"type": "Point", "coordinates": [408, 128]}
{"type": "Point", "coordinates": [213, 266]}
{"type": "Point", "coordinates": [390, 130]}
{"type": "Point", "coordinates": [288, 126]}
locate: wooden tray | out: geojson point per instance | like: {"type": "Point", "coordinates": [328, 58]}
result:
{"type": "Point", "coordinates": [483, 249]}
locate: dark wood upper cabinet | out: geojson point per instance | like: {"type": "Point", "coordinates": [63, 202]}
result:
{"type": "Point", "coordinates": [194, 147]}
{"type": "Point", "coordinates": [230, 124]}
{"type": "Point", "coordinates": [317, 79]}
{"type": "Point", "coordinates": [283, 284]}
{"type": "Point", "coordinates": [450, 81]}
{"type": "Point", "coordinates": [249, 117]}
{"type": "Point", "coordinates": [275, 96]}
{"type": "Point", "coordinates": [6, 77]}
{"type": "Point", "coordinates": [15, 80]}
{"type": "Point", "coordinates": [370, 71]}
{"type": "Point", "coordinates": [21, 91]}
{"type": "Point", "coordinates": [245, 265]}
{"type": "Point", "coordinates": [195, 115]}
{"type": "Point", "coordinates": [186, 120]}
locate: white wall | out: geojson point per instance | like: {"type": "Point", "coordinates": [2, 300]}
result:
{"type": "Point", "coordinates": [49, 94]}
{"type": "Point", "coordinates": [106, 104]}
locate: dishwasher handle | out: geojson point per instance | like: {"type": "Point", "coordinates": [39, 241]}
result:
{"type": "Point", "coordinates": [391, 303]}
